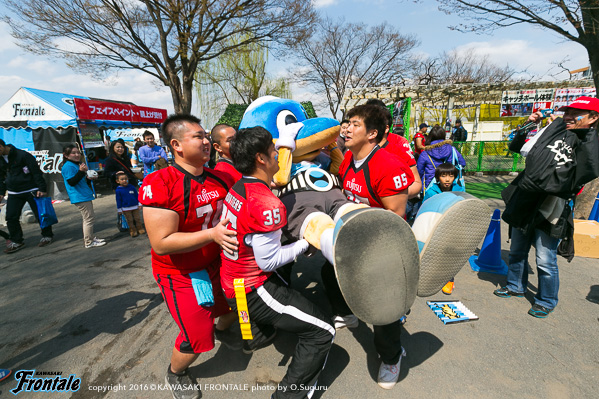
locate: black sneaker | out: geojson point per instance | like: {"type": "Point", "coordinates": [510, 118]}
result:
{"type": "Point", "coordinates": [228, 338]}
{"type": "Point", "coordinates": [249, 349]}
{"type": "Point", "coordinates": [539, 311]}
{"type": "Point", "coordinates": [182, 386]}
{"type": "Point", "coordinates": [503, 292]}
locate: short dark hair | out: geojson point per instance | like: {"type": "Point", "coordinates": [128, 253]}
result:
{"type": "Point", "coordinates": [2, 143]}
{"type": "Point", "coordinates": [374, 118]}
{"type": "Point", "coordinates": [445, 168]}
{"type": "Point", "coordinates": [246, 144]}
{"type": "Point", "coordinates": [119, 174]}
{"type": "Point", "coordinates": [380, 103]}
{"type": "Point", "coordinates": [344, 121]}
{"type": "Point", "coordinates": [147, 133]}
{"type": "Point", "coordinates": [215, 132]}
{"type": "Point", "coordinates": [172, 126]}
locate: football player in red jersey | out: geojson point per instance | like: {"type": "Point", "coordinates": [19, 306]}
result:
{"type": "Point", "coordinates": [182, 208]}
{"type": "Point", "coordinates": [221, 135]}
{"type": "Point", "coordinates": [262, 296]}
{"type": "Point", "coordinates": [371, 176]}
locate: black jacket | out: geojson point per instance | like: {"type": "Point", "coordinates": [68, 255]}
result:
{"type": "Point", "coordinates": [561, 161]}
{"type": "Point", "coordinates": [22, 173]}
{"type": "Point", "coordinates": [558, 164]}
{"type": "Point", "coordinates": [115, 164]}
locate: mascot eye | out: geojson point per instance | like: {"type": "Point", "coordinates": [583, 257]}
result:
{"type": "Point", "coordinates": [285, 118]}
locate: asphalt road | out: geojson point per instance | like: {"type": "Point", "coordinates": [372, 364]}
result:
{"type": "Point", "coordinates": [98, 314]}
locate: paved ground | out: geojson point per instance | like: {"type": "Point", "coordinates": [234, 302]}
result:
{"type": "Point", "coordinates": [97, 313]}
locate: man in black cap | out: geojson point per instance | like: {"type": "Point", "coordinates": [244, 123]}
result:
{"type": "Point", "coordinates": [459, 133]}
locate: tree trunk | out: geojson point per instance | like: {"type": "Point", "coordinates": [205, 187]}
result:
{"type": "Point", "coordinates": [590, 16]}
{"type": "Point", "coordinates": [187, 96]}
{"type": "Point", "coordinates": [594, 61]}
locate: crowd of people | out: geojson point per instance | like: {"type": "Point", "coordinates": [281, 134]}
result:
{"type": "Point", "coordinates": [216, 233]}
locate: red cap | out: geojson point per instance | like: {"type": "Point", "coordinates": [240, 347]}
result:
{"type": "Point", "coordinates": [586, 103]}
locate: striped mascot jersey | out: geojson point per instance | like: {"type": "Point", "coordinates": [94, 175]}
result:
{"type": "Point", "coordinates": [251, 208]}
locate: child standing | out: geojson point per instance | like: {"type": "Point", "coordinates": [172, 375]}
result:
{"type": "Point", "coordinates": [445, 176]}
{"type": "Point", "coordinates": [128, 205]}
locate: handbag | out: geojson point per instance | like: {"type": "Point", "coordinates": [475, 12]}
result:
{"type": "Point", "coordinates": [45, 212]}
{"type": "Point", "coordinates": [121, 223]}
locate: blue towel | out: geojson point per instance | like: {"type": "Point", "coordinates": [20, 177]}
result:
{"type": "Point", "coordinates": [202, 286]}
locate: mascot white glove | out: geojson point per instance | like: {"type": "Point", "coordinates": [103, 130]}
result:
{"type": "Point", "coordinates": [287, 136]}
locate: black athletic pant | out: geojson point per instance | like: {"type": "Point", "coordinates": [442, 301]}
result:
{"type": "Point", "coordinates": [14, 207]}
{"type": "Point", "coordinates": [275, 304]}
{"type": "Point", "coordinates": [387, 339]}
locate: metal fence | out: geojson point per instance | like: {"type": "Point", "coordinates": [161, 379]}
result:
{"type": "Point", "coordinates": [489, 156]}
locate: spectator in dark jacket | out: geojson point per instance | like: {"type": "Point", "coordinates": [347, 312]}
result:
{"type": "Point", "coordinates": [21, 177]}
{"type": "Point", "coordinates": [437, 152]}
{"type": "Point", "coordinates": [548, 219]}
{"type": "Point", "coordinates": [118, 161]}
{"type": "Point", "coordinates": [459, 132]}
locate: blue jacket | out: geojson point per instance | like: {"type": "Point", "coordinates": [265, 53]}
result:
{"type": "Point", "coordinates": [126, 198]}
{"type": "Point", "coordinates": [438, 152]}
{"type": "Point", "coordinates": [80, 191]}
{"type": "Point", "coordinates": [149, 155]}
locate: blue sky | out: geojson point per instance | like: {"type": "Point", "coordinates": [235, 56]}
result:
{"type": "Point", "coordinates": [522, 47]}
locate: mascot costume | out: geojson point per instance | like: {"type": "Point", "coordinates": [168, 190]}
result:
{"type": "Point", "coordinates": [381, 264]}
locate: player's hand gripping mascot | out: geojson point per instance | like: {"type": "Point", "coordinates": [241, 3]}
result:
{"type": "Point", "coordinates": [375, 253]}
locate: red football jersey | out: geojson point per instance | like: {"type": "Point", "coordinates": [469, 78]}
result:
{"type": "Point", "coordinates": [399, 146]}
{"type": "Point", "coordinates": [226, 166]}
{"type": "Point", "coordinates": [418, 135]}
{"type": "Point", "coordinates": [198, 201]}
{"type": "Point", "coordinates": [381, 175]}
{"type": "Point", "coordinates": [251, 208]}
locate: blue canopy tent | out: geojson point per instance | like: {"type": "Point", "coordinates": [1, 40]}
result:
{"type": "Point", "coordinates": [41, 122]}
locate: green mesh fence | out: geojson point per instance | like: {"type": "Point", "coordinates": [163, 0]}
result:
{"type": "Point", "coordinates": [489, 156]}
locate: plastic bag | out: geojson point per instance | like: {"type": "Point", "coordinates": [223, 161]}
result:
{"type": "Point", "coordinates": [45, 212]}
{"type": "Point", "coordinates": [121, 223]}
{"type": "Point", "coordinates": [202, 287]}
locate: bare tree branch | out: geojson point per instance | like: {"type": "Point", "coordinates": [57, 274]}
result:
{"type": "Point", "coordinates": [347, 55]}
{"type": "Point", "coordinates": [575, 20]}
{"type": "Point", "coordinates": [167, 39]}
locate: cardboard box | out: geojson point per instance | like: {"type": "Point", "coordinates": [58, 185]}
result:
{"type": "Point", "coordinates": [586, 238]}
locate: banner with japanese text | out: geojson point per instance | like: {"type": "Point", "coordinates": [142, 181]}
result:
{"type": "Point", "coordinates": [109, 111]}
{"type": "Point", "coordinates": [525, 102]}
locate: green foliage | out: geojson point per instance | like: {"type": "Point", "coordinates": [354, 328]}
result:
{"type": "Point", "coordinates": [233, 114]}
{"type": "Point", "coordinates": [309, 109]}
